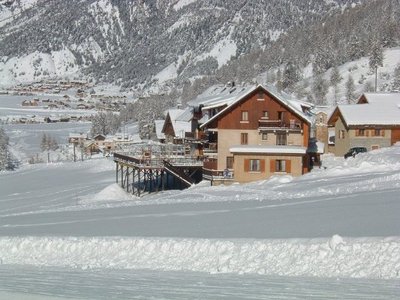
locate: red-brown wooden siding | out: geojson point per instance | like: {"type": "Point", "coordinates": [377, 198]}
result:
{"type": "Point", "coordinates": [232, 119]}
{"type": "Point", "coordinates": [395, 136]}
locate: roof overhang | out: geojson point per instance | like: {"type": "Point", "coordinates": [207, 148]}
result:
{"type": "Point", "coordinates": [268, 149]}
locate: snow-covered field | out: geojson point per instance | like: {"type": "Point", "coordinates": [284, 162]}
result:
{"type": "Point", "coordinates": [68, 231]}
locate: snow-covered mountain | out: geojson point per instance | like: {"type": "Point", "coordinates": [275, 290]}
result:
{"type": "Point", "coordinates": [142, 43]}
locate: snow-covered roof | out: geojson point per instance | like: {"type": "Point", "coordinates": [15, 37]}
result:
{"type": "Point", "coordinates": [186, 115]}
{"type": "Point", "coordinates": [78, 135]}
{"type": "Point", "coordinates": [219, 95]}
{"type": "Point", "coordinates": [174, 113]}
{"type": "Point", "coordinates": [159, 126]}
{"type": "Point", "coordinates": [379, 109]}
{"type": "Point", "coordinates": [230, 100]}
{"type": "Point", "coordinates": [380, 98]}
{"type": "Point", "coordinates": [180, 127]}
{"type": "Point", "coordinates": [371, 114]}
{"type": "Point", "coordinates": [270, 149]}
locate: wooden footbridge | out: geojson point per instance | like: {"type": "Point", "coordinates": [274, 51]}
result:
{"type": "Point", "coordinates": [153, 168]}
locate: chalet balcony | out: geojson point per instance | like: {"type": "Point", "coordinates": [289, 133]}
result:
{"type": "Point", "coordinates": [212, 149]}
{"type": "Point", "coordinates": [269, 125]}
{"type": "Point", "coordinates": [211, 172]}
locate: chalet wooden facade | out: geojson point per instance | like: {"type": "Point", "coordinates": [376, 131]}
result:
{"type": "Point", "coordinates": [255, 135]}
{"type": "Point", "coordinates": [374, 122]}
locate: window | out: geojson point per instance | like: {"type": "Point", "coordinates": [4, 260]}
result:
{"type": "Point", "coordinates": [244, 138]}
{"type": "Point", "coordinates": [229, 162]}
{"type": "Point", "coordinates": [260, 96]}
{"type": "Point", "coordinates": [378, 132]}
{"type": "Point", "coordinates": [264, 136]}
{"type": "Point", "coordinates": [281, 115]}
{"type": "Point", "coordinates": [281, 138]}
{"type": "Point", "coordinates": [360, 132]}
{"type": "Point", "coordinates": [280, 165]}
{"type": "Point", "coordinates": [341, 134]}
{"type": "Point", "coordinates": [245, 115]}
{"type": "Point", "coordinates": [265, 115]}
{"type": "Point", "coordinates": [255, 165]}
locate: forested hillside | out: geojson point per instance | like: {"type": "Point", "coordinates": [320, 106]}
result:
{"type": "Point", "coordinates": [145, 44]}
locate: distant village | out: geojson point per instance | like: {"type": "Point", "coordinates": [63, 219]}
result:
{"type": "Point", "coordinates": [79, 106]}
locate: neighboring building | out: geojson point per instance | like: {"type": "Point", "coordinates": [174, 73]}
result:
{"type": "Point", "coordinates": [77, 138]}
{"type": "Point", "coordinates": [374, 122]}
{"type": "Point", "coordinates": [320, 125]}
{"type": "Point", "coordinates": [91, 147]}
{"type": "Point", "coordinates": [253, 133]}
{"type": "Point", "coordinates": [177, 125]}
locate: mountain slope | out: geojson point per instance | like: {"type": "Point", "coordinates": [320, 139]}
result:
{"type": "Point", "coordinates": [140, 43]}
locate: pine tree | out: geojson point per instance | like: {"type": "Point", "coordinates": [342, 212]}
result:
{"type": "Point", "coordinates": [279, 84]}
{"type": "Point", "coordinates": [368, 87]}
{"type": "Point", "coordinates": [376, 59]}
{"type": "Point", "coordinates": [396, 79]}
{"type": "Point", "coordinates": [44, 144]}
{"type": "Point", "coordinates": [290, 75]}
{"type": "Point", "coordinates": [53, 145]}
{"type": "Point", "coordinates": [6, 160]}
{"type": "Point", "coordinates": [320, 89]}
{"type": "Point", "coordinates": [350, 90]}
{"type": "Point", "coordinates": [335, 79]}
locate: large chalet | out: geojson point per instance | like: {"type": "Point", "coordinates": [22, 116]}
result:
{"type": "Point", "coordinates": [248, 133]}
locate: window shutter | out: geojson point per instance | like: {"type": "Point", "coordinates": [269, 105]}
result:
{"type": "Point", "coordinates": [382, 132]}
{"type": "Point", "coordinates": [272, 165]}
{"type": "Point", "coordinates": [288, 166]}
{"type": "Point", "coordinates": [262, 165]}
{"type": "Point", "coordinates": [367, 132]}
{"type": "Point", "coordinates": [247, 165]}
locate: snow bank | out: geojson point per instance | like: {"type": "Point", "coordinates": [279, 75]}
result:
{"type": "Point", "coordinates": [112, 192]}
{"type": "Point", "coordinates": [334, 257]}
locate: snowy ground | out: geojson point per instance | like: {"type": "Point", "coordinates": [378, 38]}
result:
{"type": "Point", "coordinates": [333, 233]}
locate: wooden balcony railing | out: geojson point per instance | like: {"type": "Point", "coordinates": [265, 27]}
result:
{"type": "Point", "coordinates": [220, 175]}
{"type": "Point", "coordinates": [278, 124]}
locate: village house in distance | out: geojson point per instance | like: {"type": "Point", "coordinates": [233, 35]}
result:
{"type": "Point", "coordinates": [373, 123]}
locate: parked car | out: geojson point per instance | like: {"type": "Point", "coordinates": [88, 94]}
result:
{"type": "Point", "coordinates": [354, 151]}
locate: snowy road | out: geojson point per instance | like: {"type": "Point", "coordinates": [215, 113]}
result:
{"type": "Point", "coordinates": [61, 283]}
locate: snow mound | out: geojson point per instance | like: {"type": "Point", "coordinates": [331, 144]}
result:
{"type": "Point", "coordinates": [334, 257]}
{"type": "Point", "coordinates": [112, 192]}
